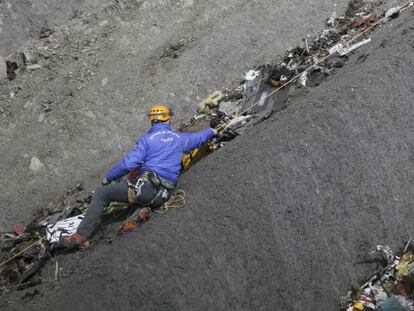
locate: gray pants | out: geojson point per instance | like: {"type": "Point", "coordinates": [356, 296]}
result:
{"type": "Point", "coordinates": [117, 192]}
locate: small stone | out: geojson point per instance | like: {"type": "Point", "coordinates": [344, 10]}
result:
{"type": "Point", "coordinates": [34, 67]}
{"type": "Point", "coordinates": [28, 105]}
{"type": "Point", "coordinates": [103, 23]}
{"type": "Point", "coordinates": [28, 57]}
{"type": "Point", "coordinates": [36, 165]}
{"type": "Point", "coordinates": [3, 68]}
{"type": "Point", "coordinates": [104, 81]}
{"type": "Point", "coordinates": [41, 118]}
{"type": "Point", "coordinates": [90, 114]}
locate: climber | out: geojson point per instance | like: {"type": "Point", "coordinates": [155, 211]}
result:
{"type": "Point", "coordinates": [157, 156]}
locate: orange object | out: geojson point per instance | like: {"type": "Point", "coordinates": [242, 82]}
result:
{"type": "Point", "coordinates": [160, 113]}
{"type": "Point", "coordinates": [130, 225]}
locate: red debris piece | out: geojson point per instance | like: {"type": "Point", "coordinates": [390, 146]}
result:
{"type": "Point", "coordinates": [19, 229]}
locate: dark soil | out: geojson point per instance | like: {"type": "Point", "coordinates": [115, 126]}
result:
{"type": "Point", "coordinates": [279, 219]}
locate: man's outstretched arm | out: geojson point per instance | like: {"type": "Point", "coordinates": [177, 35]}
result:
{"type": "Point", "coordinates": [195, 140]}
{"type": "Point", "coordinates": [129, 163]}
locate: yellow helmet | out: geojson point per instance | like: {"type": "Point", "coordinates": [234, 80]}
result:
{"type": "Point", "coordinates": [160, 113]}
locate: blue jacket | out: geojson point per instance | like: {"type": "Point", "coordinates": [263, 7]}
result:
{"type": "Point", "coordinates": [160, 150]}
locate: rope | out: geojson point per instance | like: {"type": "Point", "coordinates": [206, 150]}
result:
{"type": "Point", "coordinates": [19, 285]}
{"type": "Point", "coordinates": [223, 127]}
{"type": "Point", "coordinates": [177, 202]}
{"type": "Point", "coordinates": [22, 251]}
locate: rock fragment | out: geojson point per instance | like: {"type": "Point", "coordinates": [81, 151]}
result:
{"type": "Point", "coordinates": [3, 68]}
{"type": "Point", "coordinates": [104, 81]}
{"type": "Point", "coordinates": [28, 57]}
{"type": "Point", "coordinates": [41, 118]}
{"type": "Point", "coordinates": [392, 13]}
{"type": "Point", "coordinates": [45, 32]}
{"type": "Point", "coordinates": [36, 165]}
{"type": "Point", "coordinates": [34, 67]}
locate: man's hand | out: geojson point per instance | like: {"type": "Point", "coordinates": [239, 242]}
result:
{"type": "Point", "coordinates": [105, 181]}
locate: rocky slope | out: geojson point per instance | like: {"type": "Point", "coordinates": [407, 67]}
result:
{"type": "Point", "coordinates": [80, 103]}
{"type": "Point", "coordinates": [280, 217]}
{"type": "Point", "coordinates": [24, 20]}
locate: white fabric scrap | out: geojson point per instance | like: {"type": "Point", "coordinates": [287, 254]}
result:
{"type": "Point", "coordinates": [62, 228]}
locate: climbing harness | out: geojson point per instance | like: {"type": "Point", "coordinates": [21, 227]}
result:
{"type": "Point", "coordinates": [163, 188]}
{"type": "Point", "coordinates": [134, 189]}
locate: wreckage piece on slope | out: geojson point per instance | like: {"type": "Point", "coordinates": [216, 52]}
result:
{"type": "Point", "coordinates": [391, 285]}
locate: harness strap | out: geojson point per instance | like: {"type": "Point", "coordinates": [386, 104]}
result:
{"type": "Point", "coordinates": [164, 188]}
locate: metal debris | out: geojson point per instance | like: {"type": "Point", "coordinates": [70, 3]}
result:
{"type": "Point", "coordinates": [343, 50]}
{"type": "Point", "coordinates": [391, 288]}
{"type": "Point", "coordinates": [392, 13]}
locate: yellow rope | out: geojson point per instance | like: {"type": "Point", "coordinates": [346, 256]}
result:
{"type": "Point", "coordinates": [347, 42]}
{"type": "Point", "coordinates": [177, 202]}
{"type": "Point", "coordinates": [21, 252]}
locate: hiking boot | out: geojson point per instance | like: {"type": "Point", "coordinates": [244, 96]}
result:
{"type": "Point", "coordinates": [138, 217]}
{"type": "Point", "coordinates": [75, 240]}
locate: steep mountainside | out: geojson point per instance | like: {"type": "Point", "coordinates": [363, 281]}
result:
{"type": "Point", "coordinates": [279, 218]}
{"type": "Point", "coordinates": [77, 114]}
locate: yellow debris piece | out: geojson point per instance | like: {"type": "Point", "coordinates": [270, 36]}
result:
{"type": "Point", "coordinates": [211, 102]}
{"type": "Point", "coordinates": [403, 266]}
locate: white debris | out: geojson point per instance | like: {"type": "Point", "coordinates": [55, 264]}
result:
{"type": "Point", "coordinates": [302, 80]}
{"type": "Point", "coordinates": [229, 108]}
{"type": "Point", "coordinates": [347, 50]}
{"type": "Point", "coordinates": [283, 78]}
{"type": "Point", "coordinates": [336, 48]}
{"type": "Point", "coordinates": [62, 228]}
{"type": "Point", "coordinates": [393, 12]}
{"type": "Point", "coordinates": [344, 50]}
{"type": "Point", "coordinates": [332, 20]}
{"type": "Point", "coordinates": [251, 75]}
{"type": "Point", "coordinates": [238, 121]}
